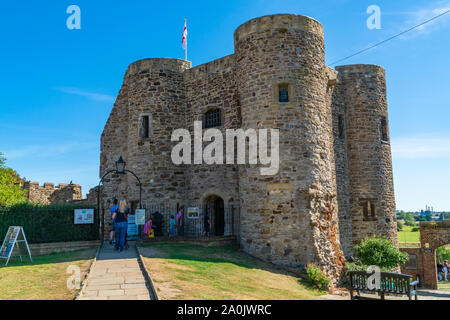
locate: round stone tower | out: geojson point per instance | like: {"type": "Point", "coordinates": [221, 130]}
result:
{"type": "Point", "coordinates": [289, 218]}
{"type": "Point", "coordinates": [372, 200]}
{"type": "Point", "coordinates": [156, 103]}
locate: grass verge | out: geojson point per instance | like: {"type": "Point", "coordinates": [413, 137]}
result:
{"type": "Point", "coordinates": [189, 271]}
{"type": "Point", "coordinates": [43, 279]}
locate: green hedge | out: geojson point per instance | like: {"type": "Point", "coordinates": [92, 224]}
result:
{"type": "Point", "coordinates": [48, 223]}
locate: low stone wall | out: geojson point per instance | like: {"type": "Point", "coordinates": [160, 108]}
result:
{"type": "Point", "coordinates": [415, 267]}
{"type": "Point", "coordinates": [40, 249]}
{"type": "Point", "coordinates": [215, 241]}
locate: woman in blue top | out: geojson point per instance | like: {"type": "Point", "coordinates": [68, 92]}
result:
{"type": "Point", "coordinates": [120, 218]}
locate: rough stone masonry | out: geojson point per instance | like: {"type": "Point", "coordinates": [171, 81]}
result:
{"type": "Point", "coordinates": [334, 187]}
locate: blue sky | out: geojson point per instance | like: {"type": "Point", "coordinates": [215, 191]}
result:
{"type": "Point", "coordinates": [58, 85]}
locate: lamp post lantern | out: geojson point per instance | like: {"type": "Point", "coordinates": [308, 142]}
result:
{"type": "Point", "coordinates": [120, 166]}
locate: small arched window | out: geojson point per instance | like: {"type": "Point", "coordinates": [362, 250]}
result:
{"type": "Point", "coordinates": [212, 118]}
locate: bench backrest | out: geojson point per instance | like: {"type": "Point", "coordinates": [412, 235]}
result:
{"type": "Point", "coordinates": [389, 282]}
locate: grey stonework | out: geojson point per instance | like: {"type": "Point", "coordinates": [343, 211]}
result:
{"type": "Point", "coordinates": [310, 212]}
{"type": "Point", "coordinates": [49, 194]}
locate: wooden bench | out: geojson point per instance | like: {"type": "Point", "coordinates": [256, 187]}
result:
{"type": "Point", "coordinates": [390, 283]}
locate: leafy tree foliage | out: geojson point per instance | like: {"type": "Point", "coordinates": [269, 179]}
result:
{"type": "Point", "coordinates": [443, 253]}
{"type": "Point", "coordinates": [10, 190]}
{"type": "Point", "coordinates": [380, 252]}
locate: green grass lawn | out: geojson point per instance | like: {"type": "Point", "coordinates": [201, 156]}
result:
{"type": "Point", "coordinates": [43, 279]}
{"type": "Point", "coordinates": [444, 286]}
{"type": "Point", "coordinates": [408, 236]}
{"type": "Point", "coordinates": [188, 271]}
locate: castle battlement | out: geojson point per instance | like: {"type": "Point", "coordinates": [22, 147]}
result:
{"type": "Point", "coordinates": [278, 22]}
{"type": "Point", "coordinates": [156, 64]}
{"type": "Point", "coordinates": [48, 193]}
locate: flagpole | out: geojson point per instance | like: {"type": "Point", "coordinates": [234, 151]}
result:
{"type": "Point", "coordinates": [185, 50]}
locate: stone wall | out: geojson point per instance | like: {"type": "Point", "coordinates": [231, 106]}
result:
{"type": "Point", "coordinates": [49, 194]}
{"type": "Point", "coordinates": [369, 156]}
{"type": "Point", "coordinates": [290, 218]}
{"type": "Point", "coordinates": [416, 271]}
{"type": "Point", "coordinates": [311, 211]}
{"type": "Point", "coordinates": [335, 99]}
{"type": "Point", "coordinates": [212, 86]}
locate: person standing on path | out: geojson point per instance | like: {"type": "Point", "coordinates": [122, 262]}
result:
{"type": "Point", "coordinates": [112, 210]}
{"type": "Point", "coordinates": [121, 224]}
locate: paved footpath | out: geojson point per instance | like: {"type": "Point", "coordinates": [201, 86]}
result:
{"type": "Point", "coordinates": [117, 276]}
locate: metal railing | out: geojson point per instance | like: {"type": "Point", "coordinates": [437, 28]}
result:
{"type": "Point", "coordinates": [223, 221]}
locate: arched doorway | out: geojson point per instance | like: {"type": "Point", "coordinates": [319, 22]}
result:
{"type": "Point", "coordinates": [216, 210]}
{"type": "Point", "coordinates": [432, 236]}
{"type": "Point", "coordinates": [442, 260]}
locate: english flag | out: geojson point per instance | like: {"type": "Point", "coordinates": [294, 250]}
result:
{"type": "Point", "coordinates": [184, 41]}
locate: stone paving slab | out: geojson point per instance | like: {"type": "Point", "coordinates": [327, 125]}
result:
{"type": "Point", "coordinates": [117, 276]}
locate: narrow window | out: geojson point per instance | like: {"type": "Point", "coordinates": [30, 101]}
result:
{"type": "Point", "coordinates": [384, 135]}
{"type": "Point", "coordinates": [368, 207]}
{"type": "Point", "coordinates": [145, 127]}
{"type": "Point", "coordinates": [365, 210]}
{"type": "Point", "coordinates": [213, 118]}
{"type": "Point", "coordinates": [283, 93]}
{"type": "Point", "coordinates": [341, 127]}
{"type": "Point", "coordinates": [372, 209]}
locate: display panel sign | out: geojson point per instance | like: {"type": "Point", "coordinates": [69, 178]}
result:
{"type": "Point", "coordinates": [14, 236]}
{"type": "Point", "coordinates": [193, 213]}
{"type": "Point", "coordinates": [140, 217]}
{"type": "Point", "coordinates": [83, 216]}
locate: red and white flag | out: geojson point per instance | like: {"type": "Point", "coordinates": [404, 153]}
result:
{"type": "Point", "coordinates": [184, 41]}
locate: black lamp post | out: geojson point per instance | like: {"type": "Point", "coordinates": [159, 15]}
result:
{"type": "Point", "coordinates": [120, 169]}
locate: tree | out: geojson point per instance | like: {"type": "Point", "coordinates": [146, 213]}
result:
{"type": "Point", "coordinates": [442, 254]}
{"type": "Point", "coordinates": [380, 252]}
{"type": "Point", "coordinates": [10, 189]}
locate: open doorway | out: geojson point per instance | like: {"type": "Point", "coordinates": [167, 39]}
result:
{"type": "Point", "coordinates": [216, 210]}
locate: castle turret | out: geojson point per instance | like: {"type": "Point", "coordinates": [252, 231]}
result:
{"type": "Point", "coordinates": [156, 100]}
{"type": "Point", "coordinates": [151, 104]}
{"type": "Point", "coordinates": [289, 218]}
{"type": "Point", "coordinates": [372, 203]}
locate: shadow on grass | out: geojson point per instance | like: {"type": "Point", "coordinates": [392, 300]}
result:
{"type": "Point", "coordinates": [59, 257]}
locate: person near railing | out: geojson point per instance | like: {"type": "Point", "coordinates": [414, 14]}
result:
{"type": "Point", "coordinates": [172, 225]}
{"type": "Point", "coordinates": [180, 225]}
{"type": "Point", "coordinates": [112, 210]}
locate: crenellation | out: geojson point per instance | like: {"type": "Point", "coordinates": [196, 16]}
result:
{"type": "Point", "coordinates": [49, 194]}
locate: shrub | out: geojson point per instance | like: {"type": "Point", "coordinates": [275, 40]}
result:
{"type": "Point", "coordinates": [399, 226]}
{"type": "Point", "coordinates": [317, 278]}
{"type": "Point", "coordinates": [380, 252]}
{"type": "Point", "coordinates": [415, 229]}
{"type": "Point", "coordinates": [442, 254]}
{"type": "Point", "coordinates": [48, 223]}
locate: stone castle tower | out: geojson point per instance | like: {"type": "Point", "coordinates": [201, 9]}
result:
{"type": "Point", "coordinates": [334, 186]}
